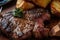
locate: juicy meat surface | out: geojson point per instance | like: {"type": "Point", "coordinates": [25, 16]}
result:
{"type": "Point", "coordinates": [34, 13]}
{"type": "Point", "coordinates": [20, 28]}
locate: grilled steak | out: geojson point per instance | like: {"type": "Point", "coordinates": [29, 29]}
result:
{"type": "Point", "coordinates": [19, 28]}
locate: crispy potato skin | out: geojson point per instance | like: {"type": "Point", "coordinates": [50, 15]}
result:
{"type": "Point", "coordinates": [24, 5]}
{"type": "Point", "coordinates": [42, 3]}
{"type": "Point", "coordinates": [55, 8]}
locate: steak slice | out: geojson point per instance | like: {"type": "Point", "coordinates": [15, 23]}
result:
{"type": "Point", "coordinates": [15, 27]}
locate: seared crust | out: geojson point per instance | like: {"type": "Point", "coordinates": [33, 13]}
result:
{"type": "Point", "coordinates": [19, 28]}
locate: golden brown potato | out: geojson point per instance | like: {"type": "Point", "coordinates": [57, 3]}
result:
{"type": "Point", "coordinates": [56, 30]}
{"type": "Point", "coordinates": [55, 8]}
{"type": "Point", "coordinates": [42, 3]}
{"type": "Point", "coordinates": [24, 5]}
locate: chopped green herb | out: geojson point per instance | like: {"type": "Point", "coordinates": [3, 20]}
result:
{"type": "Point", "coordinates": [18, 13]}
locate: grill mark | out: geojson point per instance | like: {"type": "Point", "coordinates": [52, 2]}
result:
{"type": "Point", "coordinates": [4, 23]}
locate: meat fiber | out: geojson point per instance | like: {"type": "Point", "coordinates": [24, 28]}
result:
{"type": "Point", "coordinates": [19, 28]}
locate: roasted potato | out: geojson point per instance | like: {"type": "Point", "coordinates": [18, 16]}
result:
{"type": "Point", "coordinates": [55, 8]}
{"type": "Point", "coordinates": [24, 5]}
{"type": "Point", "coordinates": [55, 30]}
{"type": "Point", "coordinates": [42, 3]}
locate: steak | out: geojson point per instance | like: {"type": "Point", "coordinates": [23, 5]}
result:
{"type": "Point", "coordinates": [22, 28]}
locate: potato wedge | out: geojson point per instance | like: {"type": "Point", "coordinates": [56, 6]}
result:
{"type": "Point", "coordinates": [24, 5]}
{"type": "Point", "coordinates": [42, 3]}
{"type": "Point", "coordinates": [56, 30]}
{"type": "Point", "coordinates": [55, 8]}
